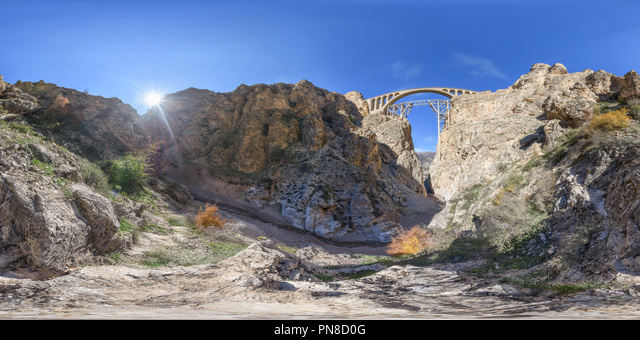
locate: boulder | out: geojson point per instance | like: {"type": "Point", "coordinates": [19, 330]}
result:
{"type": "Point", "coordinates": [101, 218]}
{"type": "Point", "coordinates": [40, 235]}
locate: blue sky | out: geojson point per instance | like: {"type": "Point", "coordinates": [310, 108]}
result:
{"type": "Point", "coordinates": [127, 48]}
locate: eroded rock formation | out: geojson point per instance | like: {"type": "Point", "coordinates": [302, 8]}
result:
{"type": "Point", "coordinates": [327, 167]}
{"type": "Point", "coordinates": [490, 129]}
{"type": "Point", "coordinates": [588, 178]}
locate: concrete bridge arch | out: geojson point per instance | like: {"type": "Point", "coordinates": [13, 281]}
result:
{"type": "Point", "coordinates": [381, 103]}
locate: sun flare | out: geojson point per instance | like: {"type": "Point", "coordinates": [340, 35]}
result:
{"type": "Point", "coordinates": [153, 98]}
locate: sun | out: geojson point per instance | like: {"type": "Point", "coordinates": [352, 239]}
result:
{"type": "Point", "coordinates": [153, 98]}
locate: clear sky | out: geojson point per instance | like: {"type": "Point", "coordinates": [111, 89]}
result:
{"type": "Point", "coordinates": [124, 49]}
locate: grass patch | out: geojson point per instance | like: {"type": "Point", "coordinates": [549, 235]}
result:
{"type": "Point", "coordinates": [182, 256]}
{"type": "Point", "coordinates": [21, 128]}
{"type": "Point", "coordinates": [179, 221]}
{"type": "Point", "coordinates": [154, 228]}
{"type": "Point", "coordinates": [223, 250]}
{"type": "Point", "coordinates": [158, 258]}
{"type": "Point", "coordinates": [575, 288]}
{"type": "Point", "coordinates": [288, 249]}
{"type": "Point", "coordinates": [43, 166]}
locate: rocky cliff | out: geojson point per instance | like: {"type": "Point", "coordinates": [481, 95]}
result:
{"type": "Point", "coordinates": [57, 209]}
{"type": "Point", "coordinates": [306, 153]}
{"type": "Point", "coordinates": [292, 154]}
{"type": "Point", "coordinates": [52, 214]}
{"type": "Point", "coordinates": [98, 128]}
{"type": "Point", "coordinates": [490, 129]}
{"type": "Point", "coordinates": [524, 170]}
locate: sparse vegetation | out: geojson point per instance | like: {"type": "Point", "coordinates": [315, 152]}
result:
{"type": "Point", "coordinates": [633, 105]}
{"type": "Point", "coordinates": [93, 176]}
{"type": "Point", "coordinates": [472, 194]}
{"type": "Point", "coordinates": [43, 166]}
{"type": "Point", "coordinates": [213, 252]}
{"type": "Point", "coordinates": [60, 109]}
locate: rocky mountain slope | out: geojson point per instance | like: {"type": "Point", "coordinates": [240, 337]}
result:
{"type": "Point", "coordinates": [539, 179]}
{"type": "Point", "coordinates": [531, 171]}
{"type": "Point", "coordinates": [291, 154]}
{"type": "Point", "coordinates": [306, 153]}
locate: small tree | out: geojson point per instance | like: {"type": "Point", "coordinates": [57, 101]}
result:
{"type": "Point", "coordinates": [409, 242]}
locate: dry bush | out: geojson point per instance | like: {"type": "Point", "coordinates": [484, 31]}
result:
{"type": "Point", "coordinates": [60, 101]}
{"type": "Point", "coordinates": [209, 218]}
{"type": "Point", "coordinates": [61, 107]}
{"type": "Point", "coordinates": [409, 242]}
{"type": "Point", "coordinates": [611, 121]}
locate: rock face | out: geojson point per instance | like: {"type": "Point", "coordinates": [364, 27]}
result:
{"type": "Point", "coordinates": [308, 151]}
{"type": "Point", "coordinates": [47, 226]}
{"type": "Point", "coordinates": [590, 177]}
{"type": "Point", "coordinates": [97, 128]}
{"type": "Point", "coordinates": [396, 149]}
{"type": "Point", "coordinates": [39, 228]}
{"type": "Point", "coordinates": [16, 101]}
{"type": "Point", "coordinates": [53, 210]}
{"type": "Point", "coordinates": [596, 214]}
{"type": "Point", "coordinates": [488, 130]}
{"type": "Point", "coordinates": [262, 264]}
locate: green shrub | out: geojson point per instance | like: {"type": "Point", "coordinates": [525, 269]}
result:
{"type": "Point", "coordinates": [634, 108]}
{"type": "Point", "coordinates": [43, 166]}
{"type": "Point", "coordinates": [94, 177]}
{"type": "Point", "coordinates": [129, 173]}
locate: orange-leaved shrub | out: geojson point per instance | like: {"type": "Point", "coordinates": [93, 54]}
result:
{"type": "Point", "coordinates": [409, 242]}
{"type": "Point", "coordinates": [60, 101]}
{"type": "Point", "coordinates": [611, 121]}
{"type": "Point", "coordinates": [61, 107]}
{"type": "Point", "coordinates": [209, 217]}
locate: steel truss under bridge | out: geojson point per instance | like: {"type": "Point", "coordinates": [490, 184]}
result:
{"type": "Point", "coordinates": [440, 107]}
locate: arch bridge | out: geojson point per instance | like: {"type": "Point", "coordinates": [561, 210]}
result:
{"type": "Point", "coordinates": [386, 103]}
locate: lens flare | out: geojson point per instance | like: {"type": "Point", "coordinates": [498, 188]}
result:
{"type": "Point", "coordinates": [153, 99]}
